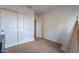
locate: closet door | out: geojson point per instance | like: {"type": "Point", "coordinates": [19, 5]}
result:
{"type": "Point", "coordinates": [31, 28]}
{"type": "Point", "coordinates": [9, 27]}
{"type": "Point", "coordinates": [23, 33]}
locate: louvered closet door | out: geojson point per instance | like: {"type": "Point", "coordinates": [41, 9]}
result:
{"type": "Point", "coordinates": [23, 22]}
{"type": "Point", "coordinates": [9, 27]}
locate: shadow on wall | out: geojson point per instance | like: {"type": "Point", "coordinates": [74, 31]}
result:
{"type": "Point", "coordinates": [66, 36]}
{"type": "Point", "coordinates": [66, 32]}
{"type": "Point", "coordinates": [66, 41]}
{"type": "Point", "coordinates": [62, 35]}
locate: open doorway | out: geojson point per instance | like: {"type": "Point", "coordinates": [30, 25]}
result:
{"type": "Point", "coordinates": [35, 28]}
{"type": "Point", "coordinates": [38, 28]}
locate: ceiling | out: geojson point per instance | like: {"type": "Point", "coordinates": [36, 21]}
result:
{"type": "Point", "coordinates": [40, 9]}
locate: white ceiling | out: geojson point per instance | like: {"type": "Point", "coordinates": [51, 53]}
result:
{"type": "Point", "coordinates": [40, 9]}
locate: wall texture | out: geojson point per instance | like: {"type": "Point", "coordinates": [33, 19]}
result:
{"type": "Point", "coordinates": [58, 24]}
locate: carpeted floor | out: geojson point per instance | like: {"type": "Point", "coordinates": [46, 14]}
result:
{"type": "Point", "coordinates": [37, 46]}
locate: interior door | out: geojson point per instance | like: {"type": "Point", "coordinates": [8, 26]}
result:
{"type": "Point", "coordinates": [23, 23]}
{"type": "Point", "coordinates": [39, 27]}
{"type": "Point", "coordinates": [9, 27]}
{"type": "Point", "coordinates": [35, 28]}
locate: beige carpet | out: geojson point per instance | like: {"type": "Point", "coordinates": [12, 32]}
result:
{"type": "Point", "coordinates": [37, 46]}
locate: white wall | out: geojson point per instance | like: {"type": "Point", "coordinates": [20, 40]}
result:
{"type": "Point", "coordinates": [58, 24]}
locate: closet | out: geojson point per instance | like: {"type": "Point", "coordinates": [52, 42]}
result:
{"type": "Point", "coordinates": [17, 27]}
{"type": "Point", "coordinates": [25, 28]}
{"type": "Point", "coordinates": [9, 27]}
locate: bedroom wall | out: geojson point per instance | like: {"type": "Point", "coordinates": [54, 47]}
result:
{"type": "Point", "coordinates": [58, 24]}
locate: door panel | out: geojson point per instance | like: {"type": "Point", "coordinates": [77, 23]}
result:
{"type": "Point", "coordinates": [23, 28]}
{"type": "Point", "coordinates": [39, 27]}
{"type": "Point", "coordinates": [31, 28]}
{"type": "Point", "coordinates": [9, 27]}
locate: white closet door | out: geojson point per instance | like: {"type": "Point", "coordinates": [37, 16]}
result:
{"type": "Point", "coordinates": [31, 28]}
{"type": "Point", "coordinates": [9, 27]}
{"type": "Point", "coordinates": [23, 22]}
